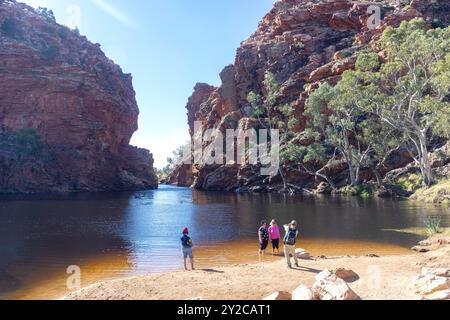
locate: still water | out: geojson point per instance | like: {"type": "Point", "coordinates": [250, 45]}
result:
{"type": "Point", "coordinates": [115, 235]}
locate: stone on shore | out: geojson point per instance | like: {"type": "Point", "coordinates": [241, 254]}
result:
{"type": "Point", "coordinates": [420, 249]}
{"type": "Point", "coordinates": [346, 274]}
{"type": "Point", "coordinates": [303, 293]}
{"type": "Point", "coordinates": [440, 272]}
{"type": "Point", "coordinates": [429, 284]}
{"type": "Point", "coordinates": [329, 286]}
{"type": "Point", "coordinates": [279, 296]}
{"type": "Point", "coordinates": [302, 254]}
{"type": "Point", "coordinates": [438, 296]}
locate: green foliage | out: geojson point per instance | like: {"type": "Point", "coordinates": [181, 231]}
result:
{"type": "Point", "coordinates": [379, 107]}
{"type": "Point", "coordinates": [364, 191]}
{"type": "Point", "coordinates": [271, 114]}
{"type": "Point", "coordinates": [337, 117]}
{"type": "Point", "coordinates": [410, 183]}
{"type": "Point", "coordinates": [411, 89]}
{"type": "Point", "coordinates": [367, 61]}
{"type": "Point", "coordinates": [9, 27]}
{"type": "Point", "coordinates": [346, 54]}
{"type": "Point", "coordinates": [50, 54]}
{"type": "Point", "coordinates": [433, 225]}
{"type": "Point", "coordinates": [437, 23]}
{"type": "Point", "coordinates": [173, 161]}
{"type": "Point", "coordinates": [274, 115]}
{"type": "Point", "coordinates": [46, 13]}
{"type": "Point", "coordinates": [312, 153]}
{"type": "Point", "coordinates": [299, 45]}
{"type": "Point", "coordinates": [63, 33]}
{"type": "Point", "coordinates": [28, 142]}
{"type": "Point", "coordinates": [437, 194]}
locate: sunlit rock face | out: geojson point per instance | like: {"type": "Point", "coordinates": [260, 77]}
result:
{"type": "Point", "coordinates": [302, 43]}
{"type": "Point", "coordinates": [63, 99]}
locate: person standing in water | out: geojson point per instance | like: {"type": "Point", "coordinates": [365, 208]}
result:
{"type": "Point", "coordinates": [289, 242]}
{"type": "Point", "coordinates": [274, 235]}
{"type": "Point", "coordinates": [187, 245]}
{"type": "Point", "coordinates": [263, 235]}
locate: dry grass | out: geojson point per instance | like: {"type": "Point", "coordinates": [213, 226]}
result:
{"type": "Point", "coordinates": [439, 193]}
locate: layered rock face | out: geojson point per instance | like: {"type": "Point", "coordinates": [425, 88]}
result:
{"type": "Point", "coordinates": [302, 43]}
{"type": "Point", "coordinates": [67, 112]}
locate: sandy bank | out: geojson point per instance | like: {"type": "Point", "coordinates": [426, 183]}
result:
{"type": "Point", "coordinates": [386, 277]}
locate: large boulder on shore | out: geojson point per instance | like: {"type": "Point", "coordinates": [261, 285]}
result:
{"type": "Point", "coordinates": [302, 254]}
{"type": "Point", "coordinates": [429, 284]}
{"type": "Point", "coordinates": [303, 293]}
{"type": "Point", "coordinates": [439, 296]}
{"type": "Point", "coordinates": [346, 274]}
{"type": "Point", "coordinates": [329, 286]}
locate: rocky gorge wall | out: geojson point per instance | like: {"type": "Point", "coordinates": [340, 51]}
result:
{"type": "Point", "coordinates": [303, 43]}
{"type": "Point", "coordinates": [67, 112]}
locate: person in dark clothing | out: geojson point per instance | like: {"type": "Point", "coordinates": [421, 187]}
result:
{"type": "Point", "coordinates": [289, 242]}
{"type": "Point", "coordinates": [187, 245]}
{"type": "Point", "coordinates": [263, 234]}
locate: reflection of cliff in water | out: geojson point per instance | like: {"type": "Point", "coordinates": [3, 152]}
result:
{"type": "Point", "coordinates": [319, 216]}
{"type": "Point", "coordinates": [48, 236]}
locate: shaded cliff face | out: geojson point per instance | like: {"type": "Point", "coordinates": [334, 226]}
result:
{"type": "Point", "coordinates": [67, 112]}
{"type": "Point", "coordinates": [303, 43]}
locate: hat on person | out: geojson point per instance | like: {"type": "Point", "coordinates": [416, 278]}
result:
{"type": "Point", "coordinates": [185, 231]}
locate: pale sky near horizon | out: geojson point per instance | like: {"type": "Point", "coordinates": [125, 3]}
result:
{"type": "Point", "coordinates": [168, 46]}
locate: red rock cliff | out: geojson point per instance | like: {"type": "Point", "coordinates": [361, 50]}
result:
{"type": "Point", "coordinates": [302, 43]}
{"type": "Point", "coordinates": [67, 112]}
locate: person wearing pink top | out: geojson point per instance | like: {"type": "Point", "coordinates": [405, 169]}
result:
{"type": "Point", "coordinates": [274, 236]}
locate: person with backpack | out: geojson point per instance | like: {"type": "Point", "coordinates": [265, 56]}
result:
{"type": "Point", "coordinates": [289, 242]}
{"type": "Point", "coordinates": [263, 235]}
{"type": "Point", "coordinates": [187, 245]}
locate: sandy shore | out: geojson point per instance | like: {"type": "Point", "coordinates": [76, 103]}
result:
{"type": "Point", "coordinates": [381, 278]}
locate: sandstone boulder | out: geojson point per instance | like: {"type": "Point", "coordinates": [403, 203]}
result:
{"type": "Point", "coordinates": [329, 287]}
{"type": "Point", "coordinates": [279, 296]}
{"type": "Point", "coordinates": [440, 272]}
{"type": "Point", "coordinates": [346, 274]}
{"type": "Point", "coordinates": [302, 254]}
{"type": "Point", "coordinates": [324, 188]}
{"type": "Point", "coordinates": [438, 296]}
{"type": "Point", "coordinates": [429, 284]}
{"type": "Point", "coordinates": [420, 249]}
{"type": "Point", "coordinates": [303, 293]}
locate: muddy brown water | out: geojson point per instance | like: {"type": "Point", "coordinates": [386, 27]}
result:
{"type": "Point", "coordinates": [125, 234]}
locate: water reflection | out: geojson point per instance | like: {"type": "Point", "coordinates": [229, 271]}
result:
{"type": "Point", "coordinates": [113, 235]}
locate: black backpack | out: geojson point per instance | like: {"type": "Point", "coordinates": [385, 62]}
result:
{"type": "Point", "coordinates": [290, 237]}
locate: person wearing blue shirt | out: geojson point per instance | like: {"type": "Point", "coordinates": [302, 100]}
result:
{"type": "Point", "coordinates": [187, 245]}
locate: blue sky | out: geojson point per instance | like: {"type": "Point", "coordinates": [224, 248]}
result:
{"type": "Point", "coordinates": [168, 46]}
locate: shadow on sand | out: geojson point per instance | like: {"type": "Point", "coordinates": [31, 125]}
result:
{"type": "Point", "coordinates": [306, 269]}
{"type": "Point", "coordinates": [212, 271]}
